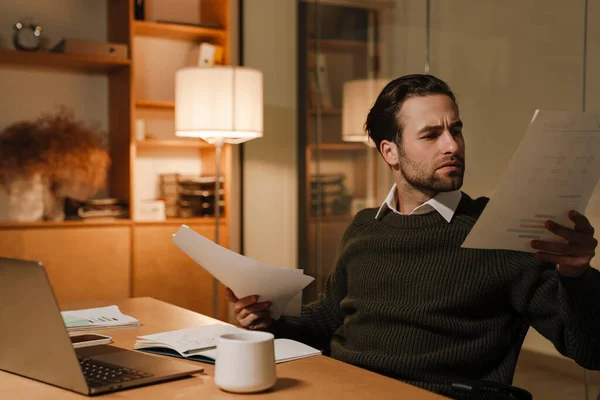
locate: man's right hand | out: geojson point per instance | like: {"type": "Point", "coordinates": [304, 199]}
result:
{"type": "Point", "coordinates": [250, 313]}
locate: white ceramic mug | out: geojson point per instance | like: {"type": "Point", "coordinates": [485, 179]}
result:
{"type": "Point", "coordinates": [245, 362]}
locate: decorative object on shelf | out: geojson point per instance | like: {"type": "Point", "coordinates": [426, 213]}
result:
{"type": "Point", "coordinates": [358, 96]}
{"type": "Point", "coordinates": [27, 36]}
{"type": "Point", "coordinates": [91, 48]}
{"type": "Point", "coordinates": [205, 55]}
{"type": "Point", "coordinates": [138, 9]}
{"type": "Point", "coordinates": [150, 210]}
{"type": "Point", "coordinates": [219, 105]}
{"type": "Point", "coordinates": [320, 94]}
{"type": "Point", "coordinates": [42, 162]}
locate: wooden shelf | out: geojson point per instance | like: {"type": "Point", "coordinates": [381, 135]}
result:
{"type": "Point", "coordinates": [173, 144]}
{"type": "Point", "coordinates": [187, 221]}
{"type": "Point", "coordinates": [338, 147]}
{"type": "Point", "coordinates": [64, 224]}
{"type": "Point", "coordinates": [61, 61]}
{"type": "Point", "coordinates": [337, 45]}
{"type": "Point", "coordinates": [155, 104]}
{"type": "Point", "coordinates": [175, 31]}
{"type": "Point", "coordinates": [330, 111]}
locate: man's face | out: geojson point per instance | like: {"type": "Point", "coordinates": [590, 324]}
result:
{"type": "Point", "coordinates": [432, 151]}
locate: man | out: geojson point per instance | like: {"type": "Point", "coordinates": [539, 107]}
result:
{"type": "Point", "coordinates": [405, 300]}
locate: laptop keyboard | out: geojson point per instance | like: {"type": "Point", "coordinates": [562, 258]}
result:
{"type": "Point", "coordinates": [99, 374]}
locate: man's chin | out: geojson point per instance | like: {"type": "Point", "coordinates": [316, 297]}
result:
{"type": "Point", "coordinates": [449, 184]}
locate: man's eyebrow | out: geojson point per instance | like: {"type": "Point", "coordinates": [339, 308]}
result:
{"type": "Point", "coordinates": [428, 128]}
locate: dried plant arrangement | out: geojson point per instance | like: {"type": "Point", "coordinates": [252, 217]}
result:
{"type": "Point", "coordinates": [44, 161]}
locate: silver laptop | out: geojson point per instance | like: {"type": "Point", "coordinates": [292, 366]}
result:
{"type": "Point", "coordinates": [34, 341]}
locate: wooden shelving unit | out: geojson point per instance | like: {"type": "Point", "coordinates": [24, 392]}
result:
{"type": "Point", "coordinates": [181, 32]}
{"type": "Point", "coordinates": [155, 104]}
{"type": "Point", "coordinates": [60, 61]}
{"type": "Point", "coordinates": [172, 144]}
{"type": "Point", "coordinates": [108, 259]}
{"type": "Point", "coordinates": [209, 221]}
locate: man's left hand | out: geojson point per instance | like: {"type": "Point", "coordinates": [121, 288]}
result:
{"type": "Point", "coordinates": [572, 258]}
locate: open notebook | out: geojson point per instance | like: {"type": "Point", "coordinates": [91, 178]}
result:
{"type": "Point", "coordinates": [200, 343]}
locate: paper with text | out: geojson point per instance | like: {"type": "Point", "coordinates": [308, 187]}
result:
{"type": "Point", "coordinates": [97, 318]}
{"type": "Point", "coordinates": [555, 169]}
{"type": "Point", "coordinates": [241, 274]}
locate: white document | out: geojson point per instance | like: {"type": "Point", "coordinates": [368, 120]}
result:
{"type": "Point", "coordinates": [196, 343]}
{"type": "Point", "coordinates": [97, 318]}
{"type": "Point", "coordinates": [188, 341]}
{"type": "Point", "coordinates": [554, 170]}
{"type": "Point", "coordinates": [243, 275]}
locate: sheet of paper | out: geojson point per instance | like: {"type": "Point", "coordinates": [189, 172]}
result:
{"type": "Point", "coordinates": [241, 274]}
{"type": "Point", "coordinates": [188, 341]}
{"type": "Point", "coordinates": [554, 170]}
{"type": "Point", "coordinates": [95, 318]}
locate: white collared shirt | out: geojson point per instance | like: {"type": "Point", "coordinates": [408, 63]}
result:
{"type": "Point", "coordinates": [444, 202]}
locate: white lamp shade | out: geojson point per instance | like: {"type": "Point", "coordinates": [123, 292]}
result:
{"type": "Point", "coordinates": [357, 99]}
{"type": "Point", "coordinates": [219, 103]}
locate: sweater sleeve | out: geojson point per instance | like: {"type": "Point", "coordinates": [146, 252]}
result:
{"type": "Point", "coordinates": [320, 319]}
{"type": "Point", "coordinates": [564, 310]}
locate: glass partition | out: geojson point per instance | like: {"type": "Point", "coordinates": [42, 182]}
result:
{"type": "Point", "coordinates": [502, 58]}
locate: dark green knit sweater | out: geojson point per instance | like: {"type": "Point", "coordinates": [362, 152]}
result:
{"type": "Point", "coordinates": [405, 300]}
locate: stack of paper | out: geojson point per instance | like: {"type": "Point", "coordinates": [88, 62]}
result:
{"type": "Point", "coordinates": [243, 275]}
{"type": "Point", "coordinates": [554, 170]}
{"type": "Point", "coordinates": [199, 344]}
{"type": "Point", "coordinates": [98, 318]}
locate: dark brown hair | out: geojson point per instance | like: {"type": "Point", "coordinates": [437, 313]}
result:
{"type": "Point", "coordinates": [382, 121]}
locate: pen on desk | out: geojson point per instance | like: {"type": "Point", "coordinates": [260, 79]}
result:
{"type": "Point", "coordinates": [190, 351]}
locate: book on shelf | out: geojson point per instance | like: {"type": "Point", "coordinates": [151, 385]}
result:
{"type": "Point", "coordinates": [200, 344]}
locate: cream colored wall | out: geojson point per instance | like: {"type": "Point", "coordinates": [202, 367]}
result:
{"type": "Point", "coordinates": [270, 163]}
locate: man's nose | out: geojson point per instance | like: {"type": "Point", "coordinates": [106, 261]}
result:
{"type": "Point", "coordinates": [449, 143]}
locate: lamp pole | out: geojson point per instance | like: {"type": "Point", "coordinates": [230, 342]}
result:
{"type": "Point", "coordinates": [215, 283]}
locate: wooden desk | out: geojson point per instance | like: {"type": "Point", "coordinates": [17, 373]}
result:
{"type": "Point", "coordinates": [310, 378]}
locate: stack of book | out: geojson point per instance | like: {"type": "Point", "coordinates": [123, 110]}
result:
{"type": "Point", "coordinates": [96, 209]}
{"type": "Point", "coordinates": [190, 195]}
{"type": "Point", "coordinates": [329, 195]}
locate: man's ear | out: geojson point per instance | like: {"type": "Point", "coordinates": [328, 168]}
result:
{"type": "Point", "coordinates": [389, 151]}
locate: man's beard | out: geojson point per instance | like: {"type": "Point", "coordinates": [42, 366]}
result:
{"type": "Point", "coordinates": [420, 177]}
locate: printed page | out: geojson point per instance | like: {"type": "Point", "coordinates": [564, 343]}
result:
{"type": "Point", "coordinates": [188, 341]}
{"type": "Point", "coordinates": [95, 318]}
{"type": "Point", "coordinates": [243, 275]}
{"type": "Point", "coordinates": [554, 170]}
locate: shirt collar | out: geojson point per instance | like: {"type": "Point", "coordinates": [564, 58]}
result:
{"type": "Point", "coordinates": [444, 202]}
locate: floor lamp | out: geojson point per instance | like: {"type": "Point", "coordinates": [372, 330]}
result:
{"type": "Point", "coordinates": [358, 96]}
{"type": "Point", "coordinates": [219, 105]}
